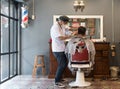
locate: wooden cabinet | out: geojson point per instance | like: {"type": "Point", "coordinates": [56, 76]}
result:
{"type": "Point", "coordinates": [53, 63]}
{"type": "Point", "coordinates": [53, 66]}
{"type": "Point", "coordinates": [101, 67]}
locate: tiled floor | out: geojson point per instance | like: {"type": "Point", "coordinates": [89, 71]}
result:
{"type": "Point", "coordinates": [27, 82]}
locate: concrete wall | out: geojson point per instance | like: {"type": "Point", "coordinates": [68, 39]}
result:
{"type": "Point", "coordinates": [35, 38]}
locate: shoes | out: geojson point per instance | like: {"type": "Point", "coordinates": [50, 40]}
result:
{"type": "Point", "coordinates": [64, 80]}
{"type": "Point", "coordinates": [60, 85]}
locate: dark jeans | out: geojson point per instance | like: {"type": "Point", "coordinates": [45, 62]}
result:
{"type": "Point", "coordinates": [62, 64]}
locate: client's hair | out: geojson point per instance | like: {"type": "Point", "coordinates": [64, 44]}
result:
{"type": "Point", "coordinates": [81, 30]}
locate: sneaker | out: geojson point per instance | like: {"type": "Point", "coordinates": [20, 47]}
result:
{"type": "Point", "coordinates": [60, 85]}
{"type": "Point", "coordinates": [64, 80]}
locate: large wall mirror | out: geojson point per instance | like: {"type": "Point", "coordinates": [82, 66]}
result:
{"type": "Point", "coordinates": [93, 23]}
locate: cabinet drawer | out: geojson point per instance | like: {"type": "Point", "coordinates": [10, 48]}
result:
{"type": "Point", "coordinates": [101, 68]}
{"type": "Point", "coordinates": [105, 53]}
{"type": "Point", "coordinates": [101, 59]}
{"type": "Point", "coordinates": [101, 53]}
{"type": "Point", "coordinates": [101, 46]}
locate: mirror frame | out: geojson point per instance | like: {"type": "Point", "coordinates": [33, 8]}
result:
{"type": "Point", "coordinates": [86, 16]}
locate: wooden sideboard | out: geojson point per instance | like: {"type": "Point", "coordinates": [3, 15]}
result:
{"type": "Point", "coordinates": [101, 67]}
{"type": "Point", "coordinates": [53, 66]}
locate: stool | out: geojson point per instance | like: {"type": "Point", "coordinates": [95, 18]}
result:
{"type": "Point", "coordinates": [36, 64]}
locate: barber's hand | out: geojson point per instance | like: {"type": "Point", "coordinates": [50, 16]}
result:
{"type": "Point", "coordinates": [74, 33]}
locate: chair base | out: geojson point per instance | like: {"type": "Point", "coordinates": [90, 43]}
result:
{"type": "Point", "coordinates": [79, 84]}
{"type": "Point", "coordinates": [80, 81]}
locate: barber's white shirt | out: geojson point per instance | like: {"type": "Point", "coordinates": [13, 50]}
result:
{"type": "Point", "coordinates": [57, 44]}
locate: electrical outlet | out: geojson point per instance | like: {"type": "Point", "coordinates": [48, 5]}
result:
{"type": "Point", "coordinates": [113, 47]}
{"type": "Point", "coordinates": [113, 53]}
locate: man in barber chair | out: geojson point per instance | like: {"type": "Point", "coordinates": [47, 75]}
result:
{"type": "Point", "coordinates": [80, 52]}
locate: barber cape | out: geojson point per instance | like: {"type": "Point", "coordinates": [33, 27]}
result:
{"type": "Point", "coordinates": [71, 48]}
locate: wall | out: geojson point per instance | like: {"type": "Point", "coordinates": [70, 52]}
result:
{"type": "Point", "coordinates": [35, 38]}
{"type": "Point", "coordinates": [116, 59]}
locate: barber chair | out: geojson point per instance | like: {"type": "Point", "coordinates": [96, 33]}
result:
{"type": "Point", "coordinates": [80, 60]}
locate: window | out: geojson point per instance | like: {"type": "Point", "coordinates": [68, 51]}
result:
{"type": "Point", "coordinates": [9, 25]}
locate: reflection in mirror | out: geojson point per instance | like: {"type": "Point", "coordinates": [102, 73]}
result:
{"type": "Point", "coordinates": [93, 23]}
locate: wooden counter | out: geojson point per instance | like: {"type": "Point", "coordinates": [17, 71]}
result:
{"type": "Point", "coordinates": [101, 67]}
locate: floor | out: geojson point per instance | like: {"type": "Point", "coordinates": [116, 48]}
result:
{"type": "Point", "coordinates": [27, 82]}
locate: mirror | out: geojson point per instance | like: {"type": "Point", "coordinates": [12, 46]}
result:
{"type": "Point", "coordinates": [93, 24]}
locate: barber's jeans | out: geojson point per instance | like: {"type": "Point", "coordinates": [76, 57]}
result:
{"type": "Point", "coordinates": [62, 64]}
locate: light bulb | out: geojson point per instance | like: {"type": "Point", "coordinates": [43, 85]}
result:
{"type": "Point", "coordinates": [76, 3]}
{"type": "Point", "coordinates": [82, 3]}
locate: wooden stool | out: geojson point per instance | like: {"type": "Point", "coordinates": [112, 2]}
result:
{"type": "Point", "coordinates": [36, 64]}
